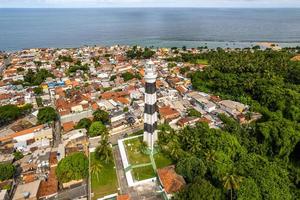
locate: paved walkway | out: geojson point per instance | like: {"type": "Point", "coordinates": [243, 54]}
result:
{"type": "Point", "coordinates": [120, 171]}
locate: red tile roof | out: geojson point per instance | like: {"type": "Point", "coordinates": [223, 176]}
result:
{"type": "Point", "coordinates": [171, 181]}
{"type": "Point", "coordinates": [123, 197]}
{"type": "Point", "coordinates": [167, 112]}
{"type": "Point", "coordinates": [68, 126]}
{"type": "Point", "coordinates": [122, 100]}
{"type": "Point", "coordinates": [24, 132]}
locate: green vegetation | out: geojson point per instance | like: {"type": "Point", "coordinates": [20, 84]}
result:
{"type": "Point", "coordinates": [171, 65]}
{"type": "Point", "coordinates": [101, 115]}
{"type": "Point", "coordinates": [72, 167]}
{"type": "Point", "coordinates": [136, 53]}
{"type": "Point", "coordinates": [36, 78]}
{"type": "Point", "coordinates": [38, 90]}
{"type": "Point", "coordinates": [6, 171]}
{"type": "Point", "coordinates": [143, 173]}
{"type": "Point", "coordinates": [39, 102]}
{"type": "Point", "coordinates": [161, 160]}
{"type": "Point", "coordinates": [253, 161]}
{"type": "Point", "coordinates": [96, 129]}
{"type": "Point", "coordinates": [78, 66]}
{"type": "Point", "coordinates": [20, 69]}
{"type": "Point", "coordinates": [112, 78]}
{"type": "Point", "coordinates": [38, 63]}
{"type": "Point", "coordinates": [184, 70]}
{"type": "Point", "coordinates": [65, 58]}
{"type": "Point", "coordinates": [193, 113]}
{"type": "Point", "coordinates": [125, 109]}
{"type": "Point", "coordinates": [127, 76]}
{"type": "Point", "coordinates": [46, 115]}
{"type": "Point", "coordinates": [133, 150]}
{"type": "Point", "coordinates": [103, 152]}
{"type": "Point", "coordinates": [18, 155]}
{"type": "Point", "coordinates": [201, 62]}
{"type": "Point", "coordinates": [84, 123]}
{"type": "Point", "coordinates": [106, 183]}
{"type": "Point", "coordinates": [9, 113]}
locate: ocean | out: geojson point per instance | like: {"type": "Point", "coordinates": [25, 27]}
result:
{"type": "Point", "coordinates": [158, 27]}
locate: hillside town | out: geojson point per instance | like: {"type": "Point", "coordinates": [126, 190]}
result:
{"type": "Point", "coordinates": [57, 103]}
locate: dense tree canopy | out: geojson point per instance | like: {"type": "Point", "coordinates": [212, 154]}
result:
{"type": "Point", "coordinates": [96, 129]}
{"type": "Point", "coordinates": [18, 155]}
{"type": "Point", "coordinates": [38, 90]}
{"type": "Point", "coordinates": [252, 161]}
{"type": "Point", "coordinates": [73, 167]}
{"type": "Point", "coordinates": [46, 115]}
{"type": "Point", "coordinates": [36, 78]}
{"type": "Point", "coordinates": [78, 66]}
{"type": "Point", "coordinates": [84, 123]}
{"type": "Point", "coordinates": [101, 115]}
{"type": "Point", "coordinates": [193, 113]}
{"type": "Point", "coordinates": [8, 113]}
{"type": "Point", "coordinates": [6, 171]}
{"type": "Point", "coordinates": [137, 53]}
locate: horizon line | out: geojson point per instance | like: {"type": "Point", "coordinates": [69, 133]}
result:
{"type": "Point", "coordinates": [224, 7]}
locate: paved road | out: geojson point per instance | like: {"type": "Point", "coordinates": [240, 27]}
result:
{"type": "Point", "coordinates": [73, 193]}
{"type": "Point", "coordinates": [57, 133]}
{"type": "Point", "coordinates": [115, 136]}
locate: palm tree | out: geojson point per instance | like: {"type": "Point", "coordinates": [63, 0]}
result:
{"type": "Point", "coordinates": [232, 183]}
{"type": "Point", "coordinates": [96, 169]}
{"type": "Point", "coordinates": [210, 156]}
{"type": "Point", "coordinates": [103, 151]}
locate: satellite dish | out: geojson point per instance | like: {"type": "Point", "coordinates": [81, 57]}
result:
{"type": "Point", "coordinates": [26, 195]}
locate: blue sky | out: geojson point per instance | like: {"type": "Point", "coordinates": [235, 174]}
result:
{"type": "Point", "coordinates": [149, 3]}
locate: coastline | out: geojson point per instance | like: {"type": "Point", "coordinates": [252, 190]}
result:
{"type": "Point", "coordinates": [172, 43]}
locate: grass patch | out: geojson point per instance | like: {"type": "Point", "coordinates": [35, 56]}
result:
{"type": "Point", "coordinates": [201, 62]}
{"type": "Point", "coordinates": [143, 173]}
{"type": "Point", "coordinates": [161, 160]}
{"type": "Point", "coordinates": [107, 183]}
{"type": "Point", "coordinates": [133, 150]}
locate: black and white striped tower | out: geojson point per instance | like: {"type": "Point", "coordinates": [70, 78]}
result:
{"type": "Point", "coordinates": [150, 113]}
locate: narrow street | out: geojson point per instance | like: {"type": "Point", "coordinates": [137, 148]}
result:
{"type": "Point", "coordinates": [56, 133]}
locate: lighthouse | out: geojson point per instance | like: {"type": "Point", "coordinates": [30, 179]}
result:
{"type": "Point", "coordinates": [150, 112]}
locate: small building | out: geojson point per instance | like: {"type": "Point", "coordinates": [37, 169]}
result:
{"type": "Point", "coordinates": [188, 121]}
{"type": "Point", "coordinates": [168, 114]}
{"type": "Point", "coordinates": [117, 119]}
{"type": "Point", "coordinates": [4, 195]}
{"type": "Point", "coordinates": [23, 139]}
{"type": "Point", "coordinates": [75, 141]}
{"type": "Point", "coordinates": [201, 100]}
{"type": "Point", "coordinates": [68, 126]}
{"type": "Point", "coordinates": [170, 180]}
{"type": "Point", "coordinates": [27, 191]}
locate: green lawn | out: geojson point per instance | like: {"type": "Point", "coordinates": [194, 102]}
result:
{"type": "Point", "coordinates": [201, 62]}
{"type": "Point", "coordinates": [107, 183]}
{"type": "Point", "coordinates": [143, 173]}
{"type": "Point", "coordinates": [162, 160]}
{"type": "Point", "coordinates": [134, 154]}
